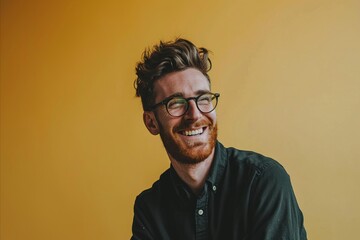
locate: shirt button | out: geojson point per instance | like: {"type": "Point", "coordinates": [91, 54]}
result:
{"type": "Point", "coordinates": [214, 188]}
{"type": "Point", "coordinates": [200, 212]}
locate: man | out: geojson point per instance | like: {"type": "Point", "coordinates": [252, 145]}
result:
{"type": "Point", "coordinates": [209, 191]}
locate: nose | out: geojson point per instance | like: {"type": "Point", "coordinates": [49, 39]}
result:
{"type": "Point", "coordinates": [193, 113]}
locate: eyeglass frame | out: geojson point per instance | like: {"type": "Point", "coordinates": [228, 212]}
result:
{"type": "Point", "coordinates": [168, 99]}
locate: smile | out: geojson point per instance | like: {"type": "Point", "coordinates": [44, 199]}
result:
{"type": "Point", "coordinates": [193, 132]}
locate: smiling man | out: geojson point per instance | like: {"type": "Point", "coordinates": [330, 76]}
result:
{"type": "Point", "coordinates": [209, 191]}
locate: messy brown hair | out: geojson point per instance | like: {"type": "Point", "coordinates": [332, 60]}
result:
{"type": "Point", "coordinates": [164, 58]}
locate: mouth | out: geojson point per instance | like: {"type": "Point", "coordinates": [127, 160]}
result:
{"type": "Point", "coordinates": [192, 132]}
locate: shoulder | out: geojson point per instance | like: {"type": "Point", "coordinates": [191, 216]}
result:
{"type": "Point", "coordinates": [259, 164]}
{"type": "Point", "coordinates": [267, 178]}
{"type": "Point", "coordinates": [153, 195]}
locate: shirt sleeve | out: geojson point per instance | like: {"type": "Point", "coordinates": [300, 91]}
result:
{"type": "Point", "coordinates": [275, 213]}
{"type": "Point", "coordinates": [140, 223]}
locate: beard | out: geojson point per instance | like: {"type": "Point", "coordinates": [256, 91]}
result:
{"type": "Point", "coordinates": [189, 153]}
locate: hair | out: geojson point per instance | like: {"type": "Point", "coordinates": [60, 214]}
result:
{"type": "Point", "coordinates": [164, 58]}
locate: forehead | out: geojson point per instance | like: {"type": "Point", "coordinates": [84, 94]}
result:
{"type": "Point", "coordinates": [187, 83]}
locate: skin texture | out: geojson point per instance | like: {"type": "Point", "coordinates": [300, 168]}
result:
{"type": "Point", "coordinates": [191, 156]}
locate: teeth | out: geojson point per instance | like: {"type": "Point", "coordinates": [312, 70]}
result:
{"type": "Point", "coordinates": [193, 132]}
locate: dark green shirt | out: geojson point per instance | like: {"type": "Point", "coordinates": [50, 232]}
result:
{"type": "Point", "coordinates": [246, 196]}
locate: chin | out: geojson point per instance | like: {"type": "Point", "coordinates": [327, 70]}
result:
{"type": "Point", "coordinates": [194, 157]}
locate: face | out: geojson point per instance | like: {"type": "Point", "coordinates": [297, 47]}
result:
{"type": "Point", "coordinates": [190, 138]}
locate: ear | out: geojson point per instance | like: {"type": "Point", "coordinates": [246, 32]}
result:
{"type": "Point", "coordinates": [151, 122]}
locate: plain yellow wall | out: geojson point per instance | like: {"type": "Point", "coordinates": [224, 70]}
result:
{"type": "Point", "coordinates": [75, 153]}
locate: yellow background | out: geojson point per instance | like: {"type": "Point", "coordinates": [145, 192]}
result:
{"type": "Point", "coordinates": [75, 153]}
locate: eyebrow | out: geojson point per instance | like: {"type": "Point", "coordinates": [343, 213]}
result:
{"type": "Point", "coordinates": [179, 94]}
{"type": "Point", "coordinates": [199, 92]}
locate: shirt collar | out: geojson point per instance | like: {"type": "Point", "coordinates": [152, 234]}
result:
{"type": "Point", "coordinates": [218, 165]}
{"type": "Point", "coordinates": [181, 189]}
{"type": "Point", "coordinates": [216, 171]}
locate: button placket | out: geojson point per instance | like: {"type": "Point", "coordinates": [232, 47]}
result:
{"type": "Point", "coordinates": [201, 215]}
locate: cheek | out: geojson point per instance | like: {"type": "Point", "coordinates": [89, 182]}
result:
{"type": "Point", "coordinates": [171, 124]}
{"type": "Point", "coordinates": [212, 117]}
{"type": "Point", "coordinates": [166, 123]}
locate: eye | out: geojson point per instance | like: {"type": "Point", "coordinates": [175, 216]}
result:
{"type": "Point", "coordinates": [205, 99]}
{"type": "Point", "coordinates": [176, 103]}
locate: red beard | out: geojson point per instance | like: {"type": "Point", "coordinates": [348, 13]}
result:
{"type": "Point", "coordinates": [193, 154]}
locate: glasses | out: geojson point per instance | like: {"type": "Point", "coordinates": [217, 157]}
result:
{"type": "Point", "coordinates": [178, 106]}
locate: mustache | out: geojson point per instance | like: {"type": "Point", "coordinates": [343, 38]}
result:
{"type": "Point", "coordinates": [187, 125]}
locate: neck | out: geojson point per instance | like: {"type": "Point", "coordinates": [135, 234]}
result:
{"type": "Point", "coordinates": [194, 175]}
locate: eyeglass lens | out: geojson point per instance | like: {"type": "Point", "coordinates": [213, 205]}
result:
{"type": "Point", "coordinates": [179, 105]}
